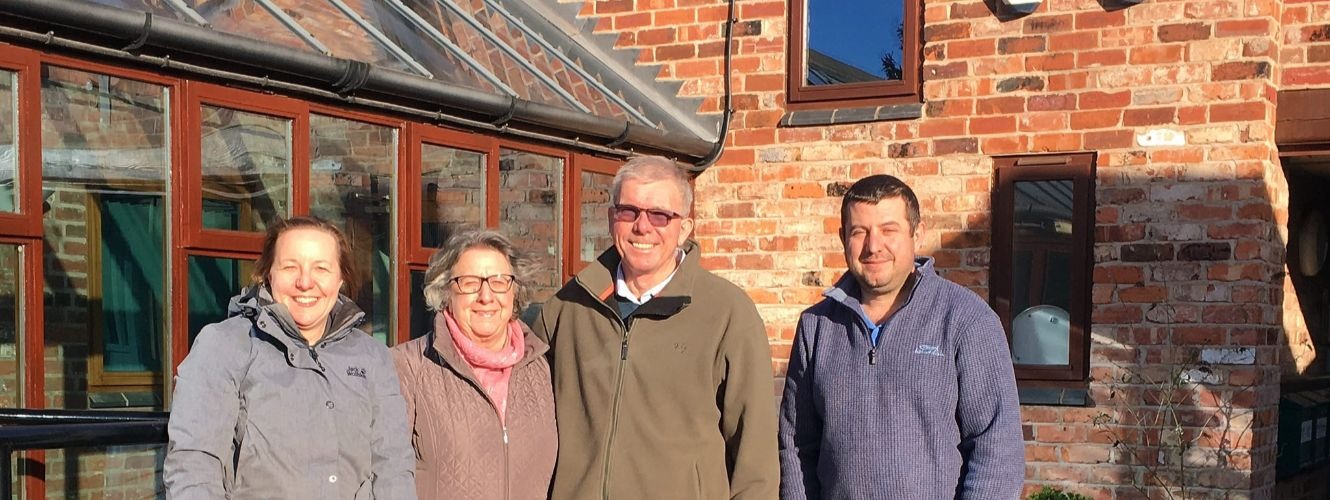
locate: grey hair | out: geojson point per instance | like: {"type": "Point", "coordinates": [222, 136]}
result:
{"type": "Point", "coordinates": [437, 291]}
{"type": "Point", "coordinates": [653, 169]}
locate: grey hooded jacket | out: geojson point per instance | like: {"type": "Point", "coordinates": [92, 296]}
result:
{"type": "Point", "coordinates": [258, 413]}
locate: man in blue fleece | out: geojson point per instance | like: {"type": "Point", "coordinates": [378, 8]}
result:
{"type": "Point", "coordinates": [900, 384]}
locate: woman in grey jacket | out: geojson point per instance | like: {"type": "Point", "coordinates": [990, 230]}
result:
{"type": "Point", "coordinates": [287, 398]}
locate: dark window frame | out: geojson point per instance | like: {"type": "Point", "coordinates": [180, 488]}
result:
{"type": "Point", "coordinates": [800, 95]}
{"type": "Point", "coordinates": [1080, 169]}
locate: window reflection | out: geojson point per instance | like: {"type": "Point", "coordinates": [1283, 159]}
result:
{"type": "Point", "coordinates": [422, 319]}
{"type": "Point", "coordinates": [104, 163]}
{"type": "Point", "coordinates": [530, 208]}
{"type": "Point", "coordinates": [11, 286]}
{"type": "Point", "coordinates": [854, 41]}
{"type": "Point", "coordinates": [352, 176]}
{"type": "Point", "coordinates": [595, 210]}
{"type": "Point", "coordinates": [212, 283]}
{"type": "Point", "coordinates": [1041, 270]}
{"type": "Point", "coordinates": [8, 141]}
{"type": "Point", "coordinates": [453, 192]}
{"type": "Point", "coordinates": [246, 167]}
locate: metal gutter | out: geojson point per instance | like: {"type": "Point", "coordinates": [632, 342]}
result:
{"type": "Point", "coordinates": [414, 94]}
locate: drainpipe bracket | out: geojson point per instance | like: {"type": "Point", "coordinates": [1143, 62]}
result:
{"type": "Point", "coordinates": [622, 138]}
{"type": "Point", "coordinates": [502, 121]}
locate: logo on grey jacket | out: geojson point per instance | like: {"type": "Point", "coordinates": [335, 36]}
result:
{"type": "Point", "coordinates": [352, 371]}
{"type": "Point", "coordinates": [931, 350]}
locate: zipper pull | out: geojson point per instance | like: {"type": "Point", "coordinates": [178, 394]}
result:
{"type": "Point", "coordinates": [623, 350]}
{"type": "Point", "coordinates": [505, 434]}
{"type": "Point", "coordinates": [872, 356]}
{"type": "Point", "coordinates": [315, 354]}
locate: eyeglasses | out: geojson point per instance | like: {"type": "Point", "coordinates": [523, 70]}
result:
{"type": "Point", "coordinates": [499, 283]}
{"type": "Point", "coordinates": [629, 213]}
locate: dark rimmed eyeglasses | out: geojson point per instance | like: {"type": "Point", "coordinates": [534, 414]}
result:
{"type": "Point", "coordinates": [656, 216]}
{"type": "Point", "coordinates": [468, 284]}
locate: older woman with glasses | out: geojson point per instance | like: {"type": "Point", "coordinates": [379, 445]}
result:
{"type": "Point", "coordinates": [477, 387]}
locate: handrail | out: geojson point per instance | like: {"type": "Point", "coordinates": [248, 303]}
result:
{"type": "Point", "coordinates": [23, 429]}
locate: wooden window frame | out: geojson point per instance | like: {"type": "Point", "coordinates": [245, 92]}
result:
{"type": "Point", "coordinates": [800, 95]}
{"type": "Point", "coordinates": [589, 164]}
{"type": "Point", "coordinates": [27, 221]}
{"type": "Point", "coordinates": [1080, 169]}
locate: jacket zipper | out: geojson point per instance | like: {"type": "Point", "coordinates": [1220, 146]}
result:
{"type": "Point", "coordinates": [507, 485]}
{"type": "Point", "coordinates": [614, 419]}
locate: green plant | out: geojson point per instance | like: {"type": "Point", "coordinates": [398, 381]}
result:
{"type": "Point", "coordinates": [1051, 493]}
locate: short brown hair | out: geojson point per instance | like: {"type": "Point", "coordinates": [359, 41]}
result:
{"type": "Point", "coordinates": [875, 188]}
{"type": "Point", "coordinates": [275, 229]}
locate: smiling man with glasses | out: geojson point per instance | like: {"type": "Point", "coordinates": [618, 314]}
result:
{"type": "Point", "coordinates": [662, 370]}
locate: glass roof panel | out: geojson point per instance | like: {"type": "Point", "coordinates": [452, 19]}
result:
{"type": "Point", "coordinates": [486, 53]}
{"type": "Point", "coordinates": [339, 33]}
{"type": "Point", "coordinates": [249, 19]}
{"type": "Point", "coordinates": [156, 7]}
{"type": "Point", "coordinates": [531, 49]}
{"type": "Point", "coordinates": [437, 59]}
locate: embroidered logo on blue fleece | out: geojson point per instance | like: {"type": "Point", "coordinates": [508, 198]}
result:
{"type": "Point", "coordinates": [928, 349]}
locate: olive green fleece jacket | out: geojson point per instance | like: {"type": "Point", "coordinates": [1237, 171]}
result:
{"type": "Point", "coordinates": [677, 404]}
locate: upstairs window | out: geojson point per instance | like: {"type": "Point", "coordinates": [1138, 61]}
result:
{"type": "Point", "coordinates": [1043, 217]}
{"type": "Point", "coordinates": [853, 53]}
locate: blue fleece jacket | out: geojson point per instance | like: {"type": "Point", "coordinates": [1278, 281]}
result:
{"type": "Point", "coordinates": [929, 412]}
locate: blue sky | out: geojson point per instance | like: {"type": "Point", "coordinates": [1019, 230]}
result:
{"type": "Point", "coordinates": [856, 31]}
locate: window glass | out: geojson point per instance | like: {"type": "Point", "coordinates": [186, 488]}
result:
{"type": "Point", "coordinates": [422, 319]}
{"type": "Point", "coordinates": [595, 211]}
{"type": "Point", "coordinates": [246, 165]}
{"type": "Point", "coordinates": [352, 176]}
{"type": "Point", "coordinates": [854, 41]}
{"type": "Point", "coordinates": [452, 192]}
{"type": "Point", "coordinates": [8, 142]}
{"type": "Point", "coordinates": [128, 471]}
{"type": "Point", "coordinates": [11, 356]}
{"type": "Point", "coordinates": [343, 36]}
{"type": "Point", "coordinates": [104, 163]}
{"type": "Point", "coordinates": [530, 208]}
{"type": "Point", "coordinates": [1041, 262]}
{"type": "Point", "coordinates": [212, 283]}
{"type": "Point", "coordinates": [248, 18]}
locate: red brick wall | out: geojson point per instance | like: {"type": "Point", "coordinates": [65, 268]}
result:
{"type": "Point", "coordinates": [1074, 76]}
{"type": "Point", "coordinates": [1304, 43]}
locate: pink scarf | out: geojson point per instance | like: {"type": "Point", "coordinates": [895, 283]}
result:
{"type": "Point", "coordinates": [492, 368]}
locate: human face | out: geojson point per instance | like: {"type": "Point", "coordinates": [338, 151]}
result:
{"type": "Point", "coordinates": [306, 277]}
{"type": "Point", "coordinates": [879, 246]}
{"type": "Point", "coordinates": [647, 252]}
{"type": "Point", "coordinates": [482, 316]}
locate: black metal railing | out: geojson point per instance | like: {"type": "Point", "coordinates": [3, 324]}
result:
{"type": "Point", "coordinates": [22, 430]}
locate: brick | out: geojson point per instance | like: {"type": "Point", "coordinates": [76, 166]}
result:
{"type": "Point", "coordinates": [1096, 99]}
{"type": "Point", "coordinates": [1126, 274]}
{"type": "Point", "coordinates": [1148, 116]}
{"type": "Point", "coordinates": [1097, 19]}
{"type": "Point", "coordinates": [1146, 252]}
{"type": "Point", "coordinates": [950, 31]}
{"type": "Point", "coordinates": [1242, 28]}
{"type": "Point", "coordinates": [1095, 58]}
{"type": "Point", "coordinates": [1247, 111]}
{"type": "Point", "coordinates": [1046, 102]}
{"type": "Point", "coordinates": [1003, 145]}
{"type": "Point", "coordinates": [1111, 139]}
{"type": "Point", "coordinates": [1307, 76]}
{"type": "Point", "coordinates": [1020, 83]}
{"type": "Point", "coordinates": [999, 105]}
{"type": "Point", "coordinates": [944, 71]}
{"type": "Point", "coordinates": [1057, 142]}
{"type": "Point", "coordinates": [1156, 54]}
{"type": "Point", "coordinates": [1048, 24]}
{"type": "Point", "coordinates": [1050, 62]}
{"type": "Point", "coordinates": [1240, 70]}
{"type": "Point", "coordinates": [1318, 53]}
{"type": "Point", "coordinates": [1205, 251]}
{"type": "Point", "coordinates": [992, 125]}
{"type": "Point", "coordinates": [1184, 32]}
{"type": "Point", "coordinates": [1021, 45]}
{"type": "Point", "coordinates": [954, 146]}
{"type": "Point", "coordinates": [961, 49]}
{"type": "Point", "coordinates": [1095, 119]}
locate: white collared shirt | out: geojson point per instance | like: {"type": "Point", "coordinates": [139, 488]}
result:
{"type": "Point", "coordinates": [621, 286]}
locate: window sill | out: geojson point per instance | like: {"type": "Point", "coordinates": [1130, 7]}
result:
{"type": "Point", "coordinates": [838, 116]}
{"type": "Point", "coordinates": [1054, 396]}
